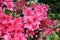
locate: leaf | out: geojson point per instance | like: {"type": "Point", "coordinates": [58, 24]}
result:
{"type": "Point", "coordinates": [59, 25]}
{"type": "Point", "coordinates": [51, 15]}
{"type": "Point", "coordinates": [7, 12]}
{"type": "Point", "coordinates": [48, 38]}
{"type": "Point", "coordinates": [14, 15]}
{"type": "Point", "coordinates": [55, 36]}
{"type": "Point", "coordinates": [59, 38]}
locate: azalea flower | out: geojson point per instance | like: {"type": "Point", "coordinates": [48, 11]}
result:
{"type": "Point", "coordinates": [48, 31]}
{"type": "Point", "coordinates": [9, 5]}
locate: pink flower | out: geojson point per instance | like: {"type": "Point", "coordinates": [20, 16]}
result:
{"type": "Point", "coordinates": [19, 4]}
{"type": "Point", "coordinates": [20, 36]}
{"type": "Point", "coordinates": [30, 33]}
{"type": "Point", "coordinates": [48, 22]}
{"type": "Point", "coordinates": [1, 3]}
{"type": "Point", "coordinates": [8, 0]}
{"type": "Point", "coordinates": [48, 31]}
{"type": "Point", "coordinates": [58, 30]}
{"type": "Point", "coordinates": [27, 11]}
{"type": "Point", "coordinates": [18, 25]}
{"type": "Point", "coordinates": [31, 23]}
{"type": "Point", "coordinates": [33, 5]}
{"type": "Point", "coordinates": [55, 22]}
{"type": "Point", "coordinates": [7, 37]}
{"type": "Point", "coordinates": [9, 5]}
{"type": "Point", "coordinates": [42, 24]}
{"type": "Point", "coordinates": [40, 39]}
{"type": "Point", "coordinates": [11, 27]}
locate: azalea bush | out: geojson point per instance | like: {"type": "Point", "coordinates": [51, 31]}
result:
{"type": "Point", "coordinates": [27, 20]}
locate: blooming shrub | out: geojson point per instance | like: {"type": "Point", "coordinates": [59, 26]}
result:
{"type": "Point", "coordinates": [18, 21]}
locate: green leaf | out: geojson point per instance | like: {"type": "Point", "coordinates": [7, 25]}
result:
{"type": "Point", "coordinates": [55, 36]}
{"type": "Point", "coordinates": [7, 12]}
{"type": "Point", "coordinates": [14, 14]}
{"type": "Point", "coordinates": [51, 15]}
{"type": "Point", "coordinates": [48, 38]}
{"type": "Point", "coordinates": [59, 38]}
{"type": "Point", "coordinates": [59, 25]}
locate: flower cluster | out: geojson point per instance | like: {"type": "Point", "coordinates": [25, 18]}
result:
{"type": "Point", "coordinates": [11, 29]}
{"type": "Point", "coordinates": [29, 21]}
